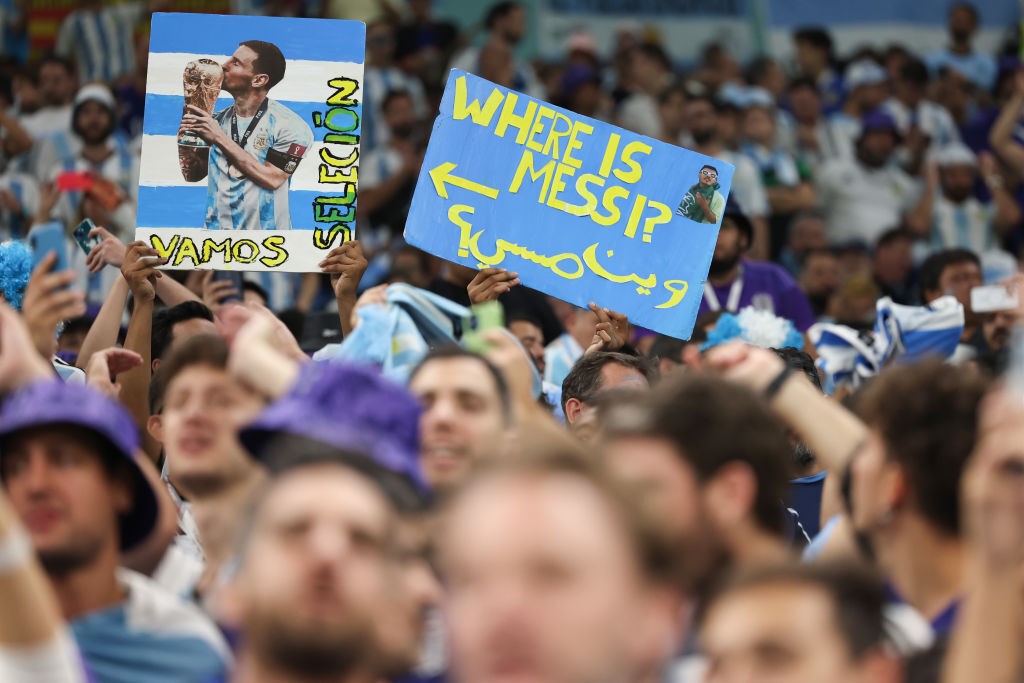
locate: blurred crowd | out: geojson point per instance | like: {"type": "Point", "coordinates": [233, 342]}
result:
{"type": "Point", "coordinates": [336, 477]}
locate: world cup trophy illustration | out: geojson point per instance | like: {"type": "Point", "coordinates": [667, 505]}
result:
{"type": "Point", "coordinates": [201, 80]}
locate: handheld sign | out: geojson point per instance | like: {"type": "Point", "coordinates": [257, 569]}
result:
{"type": "Point", "coordinates": [580, 209]}
{"type": "Point", "coordinates": [251, 140]}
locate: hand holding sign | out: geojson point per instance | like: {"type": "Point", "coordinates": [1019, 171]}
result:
{"type": "Point", "coordinates": [490, 283]}
{"type": "Point", "coordinates": [611, 332]}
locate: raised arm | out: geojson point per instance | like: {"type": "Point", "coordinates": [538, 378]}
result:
{"type": "Point", "coordinates": [1001, 135]}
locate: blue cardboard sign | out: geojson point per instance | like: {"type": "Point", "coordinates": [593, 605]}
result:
{"type": "Point", "coordinates": [580, 209]}
{"type": "Point", "coordinates": [251, 140]}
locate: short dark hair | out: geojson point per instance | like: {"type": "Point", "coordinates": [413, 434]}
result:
{"type": "Point", "coordinates": [893, 235]}
{"type": "Point", "coordinates": [392, 95]}
{"type": "Point", "coordinates": [967, 7]}
{"type": "Point", "coordinates": [65, 62]}
{"type": "Point", "coordinates": [203, 349]}
{"type": "Point", "coordinates": [931, 270]}
{"type": "Point", "coordinates": [758, 69]}
{"type": "Point", "coordinates": [655, 53]}
{"type": "Point", "coordinates": [523, 317]}
{"type": "Point", "coordinates": [803, 82]}
{"type": "Point", "coordinates": [451, 351]}
{"type": "Point", "coordinates": [164, 321]}
{"type": "Point", "coordinates": [914, 71]}
{"type": "Point", "coordinates": [816, 37]}
{"type": "Point", "coordinates": [584, 380]}
{"type": "Point", "coordinates": [857, 593]}
{"type": "Point", "coordinates": [712, 422]}
{"type": "Point", "coordinates": [798, 360]}
{"type": "Point", "coordinates": [499, 10]}
{"type": "Point", "coordinates": [269, 60]}
{"type": "Point", "coordinates": [902, 404]}
{"type": "Point", "coordinates": [255, 288]}
{"type": "Point", "coordinates": [708, 166]}
{"type": "Point", "coordinates": [666, 347]}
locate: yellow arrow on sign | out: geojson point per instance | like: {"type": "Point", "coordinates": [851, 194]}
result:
{"type": "Point", "coordinates": [443, 174]}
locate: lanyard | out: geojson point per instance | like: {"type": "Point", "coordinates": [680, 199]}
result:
{"type": "Point", "coordinates": [732, 303]}
{"type": "Point", "coordinates": [252, 124]}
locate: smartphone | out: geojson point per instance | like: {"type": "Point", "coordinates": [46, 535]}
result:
{"type": "Point", "coordinates": [482, 317]}
{"type": "Point", "coordinates": [235, 278]}
{"type": "Point", "coordinates": [49, 238]}
{"type": "Point", "coordinates": [81, 235]}
{"type": "Point", "coordinates": [990, 298]}
{"type": "Point", "coordinates": [75, 181]}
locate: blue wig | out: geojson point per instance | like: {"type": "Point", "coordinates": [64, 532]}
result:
{"type": "Point", "coordinates": [15, 269]}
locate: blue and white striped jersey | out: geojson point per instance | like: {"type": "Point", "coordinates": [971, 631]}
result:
{"type": "Point", "coordinates": [101, 41]}
{"type": "Point", "coordinates": [239, 203]}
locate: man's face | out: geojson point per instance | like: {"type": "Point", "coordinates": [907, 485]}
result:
{"type": "Point", "coordinates": [759, 125]}
{"type": "Point", "coordinates": [402, 625]}
{"type": "Point", "coordinates": [806, 104]}
{"type": "Point", "coordinates": [958, 182]}
{"type": "Point", "coordinates": [702, 121]}
{"type": "Point", "coordinates": [543, 585]}
{"type": "Point", "coordinates": [807, 235]}
{"type": "Point", "coordinates": [959, 279]}
{"type": "Point", "coordinates": [56, 84]}
{"type": "Point", "coordinates": [707, 177]}
{"type": "Point", "coordinates": [319, 567]}
{"type": "Point", "coordinates": [872, 96]}
{"type": "Point", "coordinates": [400, 117]}
{"type": "Point", "coordinates": [821, 275]}
{"type": "Point", "coordinates": [876, 147]}
{"type": "Point", "coordinates": [532, 339]}
{"type": "Point", "coordinates": [512, 27]}
{"type": "Point", "coordinates": [585, 419]}
{"type": "Point", "coordinates": [961, 25]}
{"type": "Point", "coordinates": [997, 329]}
{"type": "Point", "coordinates": [893, 261]}
{"type": "Point", "coordinates": [204, 407]}
{"type": "Point", "coordinates": [63, 495]}
{"type": "Point", "coordinates": [239, 74]}
{"type": "Point", "coordinates": [462, 417]}
{"type": "Point", "coordinates": [874, 480]}
{"type": "Point", "coordinates": [673, 112]}
{"type": "Point", "coordinates": [94, 123]}
{"type": "Point", "coordinates": [729, 248]}
{"type": "Point", "coordinates": [810, 58]}
{"type": "Point", "coordinates": [185, 330]}
{"type": "Point", "coordinates": [784, 633]}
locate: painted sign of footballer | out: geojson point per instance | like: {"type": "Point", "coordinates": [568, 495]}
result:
{"type": "Point", "coordinates": [255, 144]}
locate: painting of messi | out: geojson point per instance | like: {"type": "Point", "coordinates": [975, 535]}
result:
{"type": "Point", "coordinates": [238, 125]}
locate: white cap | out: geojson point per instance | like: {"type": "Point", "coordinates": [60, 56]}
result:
{"type": "Point", "coordinates": [95, 92]}
{"type": "Point", "coordinates": [758, 97]}
{"type": "Point", "coordinates": [955, 154]}
{"type": "Point", "coordinates": [864, 72]}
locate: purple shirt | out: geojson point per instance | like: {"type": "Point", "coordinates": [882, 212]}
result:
{"type": "Point", "coordinates": [765, 286]}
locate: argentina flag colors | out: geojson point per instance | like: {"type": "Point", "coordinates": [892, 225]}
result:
{"type": "Point", "coordinates": [225, 220]}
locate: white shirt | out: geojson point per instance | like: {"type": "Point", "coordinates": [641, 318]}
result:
{"type": "Point", "coordinates": [47, 121]}
{"type": "Point", "coordinates": [639, 113]}
{"type": "Point", "coordinates": [932, 118]}
{"type": "Point", "coordinates": [862, 203]}
{"type": "Point", "coordinates": [747, 186]}
{"type": "Point", "coordinates": [967, 225]}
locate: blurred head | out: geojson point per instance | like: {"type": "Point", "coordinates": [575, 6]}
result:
{"type": "Point", "coordinates": [57, 81]}
{"type": "Point", "coordinates": [600, 372]}
{"type": "Point", "coordinates": [702, 120]}
{"type": "Point", "coordinates": [672, 109]}
{"type": "Point", "coordinates": [875, 147]}
{"type": "Point", "coordinates": [799, 624]}
{"type": "Point", "coordinates": [204, 406]}
{"type": "Point", "coordinates": [528, 331]}
{"type": "Point", "coordinates": [710, 460]}
{"type": "Point", "coordinates": [317, 567]}
{"type": "Point", "coordinates": [912, 82]}
{"type": "Point", "coordinates": [813, 50]}
{"type": "Point", "coordinates": [497, 63]}
{"type": "Point", "coordinates": [767, 73]}
{"type": "Point", "coordinates": [911, 463]}
{"type": "Point", "coordinates": [93, 120]}
{"type": "Point", "coordinates": [759, 125]}
{"type": "Point", "coordinates": [729, 249]}
{"type": "Point", "coordinates": [963, 22]}
{"type": "Point", "coordinates": [648, 65]}
{"type": "Point", "coordinates": [172, 326]}
{"type": "Point", "coordinates": [466, 412]}
{"type": "Point", "coordinates": [807, 232]}
{"type": "Point", "coordinates": [805, 100]}
{"type": "Point", "coordinates": [399, 114]}
{"type": "Point", "coordinates": [952, 271]}
{"type": "Point", "coordinates": [820, 277]}
{"type": "Point", "coordinates": [893, 257]}
{"type": "Point", "coordinates": [554, 576]}
{"type": "Point", "coordinates": [957, 172]}
{"type": "Point", "coordinates": [252, 293]}
{"type": "Point", "coordinates": [69, 492]}
{"type": "Point", "coordinates": [506, 21]}
{"type": "Point", "coordinates": [997, 328]}
{"type": "Point", "coordinates": [380, 43]}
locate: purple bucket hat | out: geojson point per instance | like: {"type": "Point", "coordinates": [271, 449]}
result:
{"type": "Point", "coordinates": [52, 402]}
{"type": "Point", "coordinates": [352, 407]}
